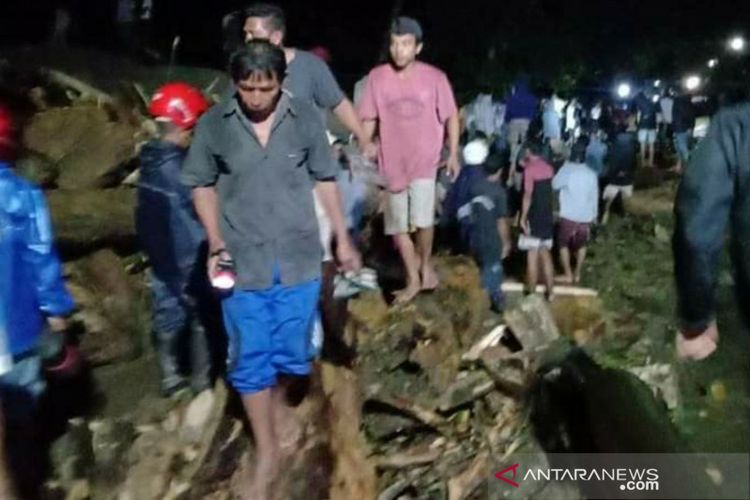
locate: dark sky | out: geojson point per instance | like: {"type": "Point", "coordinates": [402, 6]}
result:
{"type": "Point", "coordinates": [476, 41]}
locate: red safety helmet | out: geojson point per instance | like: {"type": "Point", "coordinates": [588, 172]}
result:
{"type": "Point", "coordinates": [7, 134]}
{"type": "Point", "coordinates": [180, 103]}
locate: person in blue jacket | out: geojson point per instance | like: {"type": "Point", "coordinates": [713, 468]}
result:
{"type": "Point", "coordinates": [172, 238]}
{"type": "Point", "coordinates": [32, 293]}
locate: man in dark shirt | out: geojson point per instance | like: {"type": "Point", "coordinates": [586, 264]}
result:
{"type": "Point", "coordinates": [622, 163]}
{"type": "Point", "coordinates": [253, 165]}
{"type": "Point", "coordinates": [683, 122]}
{"type": "Point", "coordinates": [646, 108]}
{"type": "Point", "coordinates": [714, 196]}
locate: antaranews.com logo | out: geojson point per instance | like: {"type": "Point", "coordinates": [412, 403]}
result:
{"type": "Point", "coordinates": [629, 479]}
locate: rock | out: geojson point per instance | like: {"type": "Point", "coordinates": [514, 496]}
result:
{"type": "Point", "coordinates": [110, 441]}
{"type": "Point", "coordinates": [85, 220]}
{"type": "Point", "coordinates": [580, 318]}
{"type": "Point", "coordinates": [662, 380]}
{"type": "Point", "coordinates": [79, 490]}
{"type": "Point", "coordinates": [114, 308]}
{"type": "Point", "coordinates": [197, 415]}
{"type": "Point", "coordinates": [532, 323]}
{"type": "Point", "coordinates": [661, 234]}
{"type": "Point", "coordinates": [87, 147]}
{"type": "Point", "coordinates": [37, 168]}
{"type": "Point", "coordinates": [150, 476]}
{"type": "Point", "coordinates": [509, 372]}
{"type": "Point", "coordinates": [72, 454]}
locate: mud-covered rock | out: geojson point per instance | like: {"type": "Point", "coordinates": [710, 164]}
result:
{"type": "Point", "coordinates": [86, 145]}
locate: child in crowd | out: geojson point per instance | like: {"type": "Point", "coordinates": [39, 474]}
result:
{"type": "Point", "coordinates": [482, 218]}
{"type": "Point", "coordinates": [173, 239]}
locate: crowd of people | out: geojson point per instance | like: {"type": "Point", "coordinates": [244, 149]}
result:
{"type": "Point", "coordinates": [241, 215]}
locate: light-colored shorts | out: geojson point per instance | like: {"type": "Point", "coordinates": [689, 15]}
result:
{"type": "Point", "coordinates": [517, 130]}
{"type": "Point", "coordinates": [647, 136]}
{"type": "Point", "coordinates": [526, 243]}
{"type": "Point", "coordinates": [611, 191]}
{"type": "Point", "coordinates": [410, 209]}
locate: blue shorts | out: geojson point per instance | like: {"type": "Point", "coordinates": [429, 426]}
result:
{"type": "Point", "coordinates": [269, 334]}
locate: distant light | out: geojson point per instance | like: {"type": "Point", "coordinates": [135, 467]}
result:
{"type": "Point", "coordinates": [737, 44]}
{"type": "Point", "coordinates": [657, 83]}
{"type": "Point", "coordinates": [692, 82]}
{"type": "Point", "coordinates": [712, 63]}
{"type": "Point", "coordinates": [655, 98]}
{"type": "Point", "coordinates": [623, 91]}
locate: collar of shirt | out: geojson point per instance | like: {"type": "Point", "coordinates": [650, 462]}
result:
{"type": "Point", "coordinates": [285, 106]}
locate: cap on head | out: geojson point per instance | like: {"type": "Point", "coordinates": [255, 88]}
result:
{"type": "Point", "coordinates": [179, 103]}
{"type": "Point", "coordinates": [476, 152]}
{"type": "Point", "coordinates": [403, 25]}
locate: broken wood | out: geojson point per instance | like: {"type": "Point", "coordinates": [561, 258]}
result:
{"type": "Point", "coordinates": [465, 390]}
{"type": "Point", "coordinates": [408, 459]}
{"type": "Point", "coordinates": [489, 340]}
{"type": "Point", "coordinates": [410, 408]}
{"type": "Point", "coordinates": [462, 485]}
{"type": "Point", "coordinates": [84, 89]}
{"type": "Point", "coordinates": [393, 491]}
{"type": "Point", "coordinates": [574, 291]}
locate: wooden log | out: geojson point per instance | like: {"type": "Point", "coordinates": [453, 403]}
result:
{"type": "Point", "coordinates": [564, 290]}
{"type": "Point", "coordinates": [465, 390]}
{"type": "Point", "coordinates": [408, 459]}
{"type": "Point", "coordinates": [83, 88]}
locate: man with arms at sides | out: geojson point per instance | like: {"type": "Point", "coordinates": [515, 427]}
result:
{"type": "Point", "coordinates": [412, 105]}
{"type": "Point", "coordinates": [253, 165]}
{"type": "Point", "coordinates": [308, 76]}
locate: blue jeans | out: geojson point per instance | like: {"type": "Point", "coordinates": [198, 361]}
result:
{"type": "Point", "coordinates": [682, 146]}
{"type": "Point", "coordinates": [176, 319]}
{"type": "Point", "coordinates": [21, 388]}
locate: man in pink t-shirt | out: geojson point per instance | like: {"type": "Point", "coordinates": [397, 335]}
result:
{"type": "Point", "coordinates": [412, 105]}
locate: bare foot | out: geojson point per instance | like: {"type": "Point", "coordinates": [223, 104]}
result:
{"type": "Point", "coordinates": [407, 294]}
{"type": "Point", "coordinates": [430, 279]}
{"type": "Point", "coordinates": [264, 472]}
{"type": "Point", "coordinates": [696, 348]}
{"type": "Point", "coordinates": [577, 279]}
{"type": "Point", "coordinates": [564, 278]}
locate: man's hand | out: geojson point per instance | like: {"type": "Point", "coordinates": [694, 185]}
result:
{"type": "Point", "coordinates": [348, 256]}
{"type": "Point", "coordinates": [57, 323]}
{"type": "Point", "coordinates": [213, 260]}
{"type": "Point", "coordinates": [454, 166]}
{"type": "Point", "coordinates": [525, 227]}
{"type": "Point", "coordinates": [369, 150]}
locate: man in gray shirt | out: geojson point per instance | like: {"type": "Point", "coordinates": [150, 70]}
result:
{"type": "Point", "coordinates": [253, 165]}
{"type": "Point", "coordinates": [308, 77]}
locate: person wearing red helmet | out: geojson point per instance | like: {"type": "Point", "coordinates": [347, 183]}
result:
{"type": "Point", "coordinates": [32, 293]}
{"type": "Point", "coordinates": [171, 236]}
